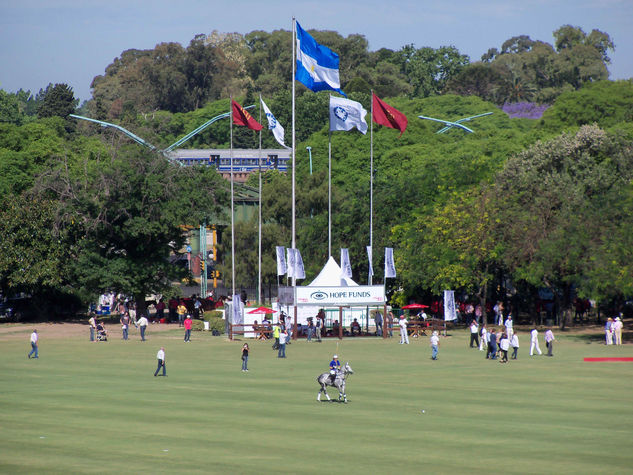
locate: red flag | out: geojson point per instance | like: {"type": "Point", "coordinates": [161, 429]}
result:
{"type": "Point", "coordinates": [242, 117]}
{"type": "Point", "coordinates": [384, 114]}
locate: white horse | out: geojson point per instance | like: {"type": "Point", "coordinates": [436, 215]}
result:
{"type": "Point", "coordinates": [339, 382]}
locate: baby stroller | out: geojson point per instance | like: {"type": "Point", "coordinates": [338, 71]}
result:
{"type": "Point", "coordinates": [102, 333]}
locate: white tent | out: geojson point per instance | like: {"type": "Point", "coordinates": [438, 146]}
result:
{"type": "Point", "coordinates": [330, 276]}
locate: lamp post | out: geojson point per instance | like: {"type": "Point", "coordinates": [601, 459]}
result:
{"type": "Point", "coordinates": [309, 149]}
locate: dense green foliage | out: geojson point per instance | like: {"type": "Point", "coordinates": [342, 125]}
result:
{"type": "Point", "coordinates": [520, 201]}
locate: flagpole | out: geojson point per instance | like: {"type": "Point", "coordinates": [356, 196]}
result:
{"type": "Point", "coordinates": [294, 246]}
{"type": "Point", "coordinates": [329, 194]}
{"type": "Point", "coordinates": [259, 257]}
{"type": "Point", "coordinates": [232, 208]}
{"type": "Point", "coordinates": [371, 186]}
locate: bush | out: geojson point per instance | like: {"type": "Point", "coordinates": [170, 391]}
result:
{"type": "Point", "coordinates": [197, 325]}
{"type": "Point", "coordinates": [216, 323]}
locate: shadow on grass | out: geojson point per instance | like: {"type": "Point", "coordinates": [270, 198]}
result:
{"type": "Point", "coordinates": [599, 338]}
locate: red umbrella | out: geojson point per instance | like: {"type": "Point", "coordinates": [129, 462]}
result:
{"type": "Point", "coordinates": [414, 305]}
{"type": "Point", "coordinates": [263, 310]}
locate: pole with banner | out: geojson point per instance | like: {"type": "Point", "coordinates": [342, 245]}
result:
{"type": "Point", "coordinates": [449, 307]}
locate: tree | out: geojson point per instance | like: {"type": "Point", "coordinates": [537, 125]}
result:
{"type": "Point", "coordinates": [58, 100]}
{"type": "Point", "coordinates": [129, 210]}
{"type": "Point", "coordinates": [553, 207]}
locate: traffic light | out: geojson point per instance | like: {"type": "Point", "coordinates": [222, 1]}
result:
{"type": "Point", "coordinates": [202, 265]}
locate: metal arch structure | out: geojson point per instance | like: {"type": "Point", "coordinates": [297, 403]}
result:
{"type": "Point", "coordinates": [455, 124]}
{"type": "Point", "coordinates": [165, 151]}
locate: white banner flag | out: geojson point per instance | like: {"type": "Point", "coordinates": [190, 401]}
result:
{"type": "Point", "coordinates": [281, 261]}
{"type": "Point", "coordinates": [390, 268]}
{"type": "Point", "coordinates": [369, 256]}
{"type": "Point", "coordinates": [274, 126]}
{"type": "Point", "coordinates": [300, 272]}
{"type": "Point", "coordinates": [237, 307]}
{"type": "Point", "coordinates": [291, 261]}
{"type": "Point", "coordinates": [449, 305]}
{"type": "Point", "coordinates": [346, 114]}
{"type": "Point", "coordinates": [346, 267]}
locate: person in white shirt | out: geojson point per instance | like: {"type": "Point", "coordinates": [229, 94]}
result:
{"type": "Point", "coordinates": [283, 339]}
{"type": "Point", "coordinates": [474, 334]}
{"type": "Point", "coordinates": [483, 343]}
{"type": "Point", "coordinates": [514, 342]}
{"type": "Point", "coordinates": [504, 344]}
{"type": "Point", "coordinates": [34, 344]}
{"type": "Point", "coordinates": [142, 324]}
{"type": "Point", "coordinates": [435, 343]}
{"type": "Point", "coordinates": [160, 356]}
{"type": "Point", "coordinates": [404, 334]}
{"type": "Point", "coordinates": [534, 342]}
{"type": "Point", "coordinates": [617, 331]}
{"type": "Point", "coordinates": [509, 326]}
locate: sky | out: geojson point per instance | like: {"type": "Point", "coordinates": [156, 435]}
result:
{"type": "Point", "coordinates": [72, 41]}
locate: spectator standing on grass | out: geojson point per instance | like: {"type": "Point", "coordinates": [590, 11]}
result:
{"type": "Point", "coordinates": [404, 334]}
{"type": "Point", "coordinates": [34, 344]}
{"type": "Point", "coordinates": [188, 323]}
{"type": "Point", "coordinates": [389, 323]}
{"type": "Point", "coordinates": [182, 311]}
{"type": "Point", "coordinates": [509, 324]}
{"type": "Point", "coordinates": [93, 326]}
{"type": "Point", "coordinates": [474, 334]}
{"type": "Point", "coordinates": [245, 357]}
{"type": "Point", "coordinates": [142, 324]}
{"type": "Point", "coordinates": [514, 342]}
{"type": "Point", "coordinates": [483, 343]}
{"type": "Point", "coordinates": [617, 331]}
{"type": "Point", "coordinates": [435, 344]}
{"type": "Point", "coordinates": [160, 356]}
{"type": "Point", "coordinates": [534, 342]}
{"type": "Point", "coordinates": [492, 345]}
{"type": "Point", "coordinates": [283, 338]}
{"type": "Point", "coordinates": [504, 345]}
{"type": "Point", "coordinates": [125, 325]}
{"type": "Point", "coordinates": [549, 341]}
{"type": "Point", "coordinates": [608, 331]}
{"type": "Point", "coordinates": [378, 321]}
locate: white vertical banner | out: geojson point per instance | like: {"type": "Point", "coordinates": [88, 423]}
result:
{"type": "Point", "coordinates": [291, 261]}
{"type": "Point", "coordinates": [281, 261]}
{"type": "Point", "coordinates": [369, 256]}
{"type": "Point", "coordinates": [299, 271]}
{"type": "Point", "coordinates": [449, 305]}
{"type": "Point", "coordinates": [390, 267]}
{"type": "Point", "coordinates": [237, 308]}
{"type": "Point", "coordinates": [346, 267]}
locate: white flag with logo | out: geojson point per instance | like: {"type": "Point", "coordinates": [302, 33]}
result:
{"type": "Point", "coordinates": [300, 272]}
{"type": "Point", "coordinates": [346, 267]}
{"type": "Point", "coordinates": [346, 114]}
{"type": "Point", "coordinates": [369, 256]}
{"type": "Point", "coordinates": [274, 126]}
{"type": "Point", "coordinates": [291, 261]}
{"type": "Point", "coordinates": [281, 261]}
{"type": "Point", "coordinates": [449, 305]}
{"type": "Point", "coordinates": [390, 268]}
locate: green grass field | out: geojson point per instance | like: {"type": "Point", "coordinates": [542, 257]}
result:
{"type": "Point", "coordinates": [96, 408]}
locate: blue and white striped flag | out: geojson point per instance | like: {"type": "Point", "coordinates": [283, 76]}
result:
{"type": "Point", "coordinates": [346, 266]}
{"type": "Point", "coordinates": [317, 65]}
{"type": "Point", "coordinates": [390, 268]}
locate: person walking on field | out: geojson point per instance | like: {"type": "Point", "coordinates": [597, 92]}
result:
{"type": "Point", "coordinates": [93, 326]}
{"type": "Point", "coordinates": [534, 342]}
{"type": "Point", "coordinates": [34, 344]}
{"type": "Point", "coordinates": [160, 356]}
{"type": "Point", "coordinates": [188, 324]}
{"type": "Point", "coordinates": [404, 334]}
{"type": "Point", "coordinates": [245, 358]}
{"type": "Point", "coordinates": [483, 344]}
{"type": "Point", "coordinates": [435, 344]}
{"type": "Point", "coordinates": [142, 324]}
{"type": "Point", "coordinates": [514, 342]}
{"type": "Point", "coordinates": [474, 334]}
{"type": "Point", "coordinates": [549, 341]}
{"type": "Point", "coordinates": [283, 338]}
